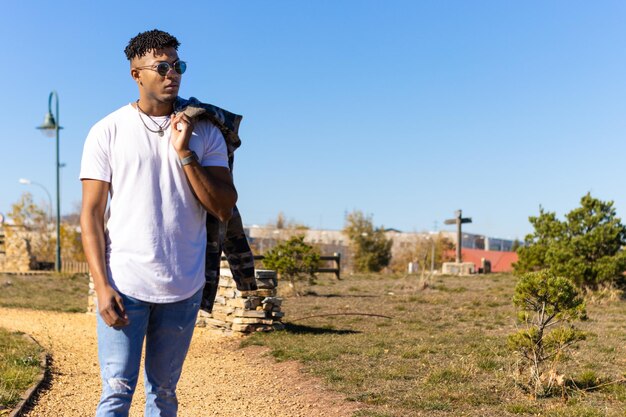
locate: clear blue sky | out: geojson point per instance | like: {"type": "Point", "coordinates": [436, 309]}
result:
{"type": "Point", "coordinates": [406, 110]}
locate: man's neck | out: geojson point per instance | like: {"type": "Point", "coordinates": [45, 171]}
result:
{"type": "Point", "coordinates": [155, 108]}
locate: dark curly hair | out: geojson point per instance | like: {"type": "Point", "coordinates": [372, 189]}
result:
{"type": "Point", "coordinates": [149, 40]}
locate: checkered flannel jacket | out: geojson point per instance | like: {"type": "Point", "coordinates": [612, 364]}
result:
{"type": "Point", "coordinates": [227, 237]}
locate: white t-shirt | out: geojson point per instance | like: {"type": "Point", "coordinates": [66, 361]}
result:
{"type": "Point", "coordinates": [155, 227]}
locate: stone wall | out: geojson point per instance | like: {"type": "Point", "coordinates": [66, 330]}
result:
{"type": "Point", "coordinates": [17, 255]}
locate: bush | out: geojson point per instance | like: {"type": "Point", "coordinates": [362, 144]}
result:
{"type": "Point", "coordinates": [372, 249]}
{"type": "Point", "coordinates": [294, 260]}
{"type": "Point", "coordinates": [547, 305]}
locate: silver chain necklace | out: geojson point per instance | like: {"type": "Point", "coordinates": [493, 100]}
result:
{"type": "Point", "coordinates": [161, 127]}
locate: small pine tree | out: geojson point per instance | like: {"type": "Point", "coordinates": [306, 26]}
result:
{"type": "Point", "coordinates": [294, 260]}
{"type": "Point", "coordinates": [547, 305]}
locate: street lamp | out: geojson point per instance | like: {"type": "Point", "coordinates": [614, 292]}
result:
{"type": "Point", "coordinates": [50, 128]}
{"type": "Point", "coordinates": [29, 182]}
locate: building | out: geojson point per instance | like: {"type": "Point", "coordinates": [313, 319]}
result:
{"type": "Point", "coordinates": [497, 251]}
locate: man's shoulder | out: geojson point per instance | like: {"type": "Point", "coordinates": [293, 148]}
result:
{"type": "Point", "coordinates": [114, 117]}
{"type": "Point", "coordinates": [207, 130]}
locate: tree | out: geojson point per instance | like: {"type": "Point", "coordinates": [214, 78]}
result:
{"type": "Point", "coordinates": [294, 260]}
{"type": "Point", "coordinates": [282, 223]}
{"type": "Point", "coordinates": [41, 237]}
{"type": "Point", "coordinates": [547, 304]}
{"type": "Point", "coordinates": [34, 220]}
{"type": "Point", "coordinates": [28, 214]}
{"type": "Point", "coordinates": [71, 243]}
{"type": "Point", "coordinates": [371, 248]}
{"type": "Point", "coordinates": [586, 247]}
{"type": "Point", "coordinates": [280, 220]}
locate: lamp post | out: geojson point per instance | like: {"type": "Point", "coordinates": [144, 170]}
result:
{"type": "Point", "coordinates": [51, 128]}
{"type": "Point", "coordinates": [29, 182]}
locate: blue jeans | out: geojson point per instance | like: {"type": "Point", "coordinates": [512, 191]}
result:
{"type": "Point", "coordinates": [167, 329]}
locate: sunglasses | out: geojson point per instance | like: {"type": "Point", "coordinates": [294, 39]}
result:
{"type": "Point", "coordinates": [164, 67]}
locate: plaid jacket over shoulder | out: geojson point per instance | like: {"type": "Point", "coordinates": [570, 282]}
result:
{"type": "Point", "coordinates": [227, 237]}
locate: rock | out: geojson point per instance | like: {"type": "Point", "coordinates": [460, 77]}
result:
{"type": "Point", "coordinates": [243, 320]}
{"type": "Point", "coordinates": [266, 293]}
{"type": "Point", "coordinates": [250, 313]}
{"type": "Point", "coordinates": [273, 300]}
{"type": "Point", "coordinates": [249, 303]}
{"type": "Point", "coordinates": [241, 312]}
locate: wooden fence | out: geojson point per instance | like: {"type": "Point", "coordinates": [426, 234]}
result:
{"type": "Point", "coordinates": [335, 258]}
{"type": "Point", "coordinates": [72, 267]}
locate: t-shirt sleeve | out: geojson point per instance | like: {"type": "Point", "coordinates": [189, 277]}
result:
{"type": "Point", "coordinates": [215, 151]}
{"type": "Point", "coordinates": [95, 163]}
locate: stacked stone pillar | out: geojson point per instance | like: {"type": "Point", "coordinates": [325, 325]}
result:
{"type": "Point", "coordinates": [241, 312]}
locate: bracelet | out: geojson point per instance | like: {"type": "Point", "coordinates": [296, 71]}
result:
{"type": "Point", "coordinates": [189, 158]}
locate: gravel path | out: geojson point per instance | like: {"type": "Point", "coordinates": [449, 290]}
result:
{"type": "Point", "coordinates": [218, 379]}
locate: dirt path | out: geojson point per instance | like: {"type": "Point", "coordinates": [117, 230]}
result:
{"type": "Point", "coordinates": [218, 380]}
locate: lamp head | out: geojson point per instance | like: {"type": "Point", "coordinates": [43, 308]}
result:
{"type": "Point", "coordinates": [49, 125]}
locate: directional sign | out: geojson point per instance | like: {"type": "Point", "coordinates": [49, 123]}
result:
{"type": "Point", "coordinates": [459, 220]}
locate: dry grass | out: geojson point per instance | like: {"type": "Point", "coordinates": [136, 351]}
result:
{"type": "Point", "coordinates": [444, 351]}
{"type": "Point", "coordinates": [442, 354]}
{"type": "Point", "coordinates": [54, 292]}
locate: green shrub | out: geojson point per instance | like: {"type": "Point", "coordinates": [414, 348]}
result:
{"type": "Point", "coordinates": [586, 246]}
{"type": "Point", "coordinates": [547, 305]}
{"type": "Point", "coordinates": [293, 260]}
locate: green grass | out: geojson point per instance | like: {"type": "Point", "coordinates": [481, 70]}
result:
{"type": "Point", "coordinates": [19, 367]}
{"type": "Point", "coordinates": [443, 352]}
{"type": "Point", "coordinates": [54, 292]}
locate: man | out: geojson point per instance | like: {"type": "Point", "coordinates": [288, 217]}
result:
{"type": "Point", "coordinates": [163, 172]}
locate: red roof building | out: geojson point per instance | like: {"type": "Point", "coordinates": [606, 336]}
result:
{"type": "Point", "coordinates": [500, 261]}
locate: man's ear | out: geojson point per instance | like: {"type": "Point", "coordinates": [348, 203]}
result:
{"type": "Point", "coordinates": [135, 74]}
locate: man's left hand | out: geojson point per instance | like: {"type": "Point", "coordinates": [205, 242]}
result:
{"type": "Point", "coordinates": [182, 127]}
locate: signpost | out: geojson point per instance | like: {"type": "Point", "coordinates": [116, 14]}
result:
{"type": "Point", "coordinates": [458, 220]}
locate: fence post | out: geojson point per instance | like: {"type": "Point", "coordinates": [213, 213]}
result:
{"type": "Point", "coordinates": [338, 264]}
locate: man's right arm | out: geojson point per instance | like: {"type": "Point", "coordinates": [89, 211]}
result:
{"type": "Point", "coordinates": [110, 304]}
